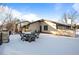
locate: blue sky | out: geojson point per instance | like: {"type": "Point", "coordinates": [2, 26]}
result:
{"type": "Point", "coordinates": [43, 10]}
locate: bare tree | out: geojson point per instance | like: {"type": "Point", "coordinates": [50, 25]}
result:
{"type": "Point", "coordinates": [9, 25]}
{"type": "Point", "coordinates": [72, 15]}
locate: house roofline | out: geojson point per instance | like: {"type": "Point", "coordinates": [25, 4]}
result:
{"type": "Point", "coordinates": [41, 20]}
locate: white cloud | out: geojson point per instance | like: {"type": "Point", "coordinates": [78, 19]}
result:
{"type": "Point", "coordinates": [30, 17]}
{"type": "Point", "coordinates": [24, 17]}
{"type": "Point", "coordinates": [19, 15]}
{"type": "Point", "coordinates": [16, 14]}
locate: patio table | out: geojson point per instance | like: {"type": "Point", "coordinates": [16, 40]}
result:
{"type": "Point", "coordinates": [29, 37]}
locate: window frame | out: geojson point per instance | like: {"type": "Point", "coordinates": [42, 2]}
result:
{"type": "Point", "coordinates": [46, 27]}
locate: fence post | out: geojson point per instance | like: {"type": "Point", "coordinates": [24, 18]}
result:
{"type": "Point", "coordinates": [0, 38]}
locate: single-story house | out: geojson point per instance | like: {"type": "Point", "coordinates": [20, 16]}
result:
{"type": "Point", "coordinates": [47, 26]}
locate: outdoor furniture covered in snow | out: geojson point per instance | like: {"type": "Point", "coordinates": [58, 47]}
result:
{"type": "Point", "coordinates": [29, 36]}
{"type": "Point", "coordinates": [37, 34]}
{"type": "Point", "coordinates": [26, 36]}
{"type": "Point", "coordinates": [32, 37]}
{"type": "Point", "coordinates": [22, 36]}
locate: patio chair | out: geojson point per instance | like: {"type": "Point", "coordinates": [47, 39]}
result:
{"type": "Point", "coordinates": [27, 37]}
{"type": "Point", "coordinates": [37, 34]}
{"type": "Point", "coordinates": [32, 37]}
{"type": "Point", "coordinates": [34, 33]}
{"type": "Point", "coordinates": [23, 36]}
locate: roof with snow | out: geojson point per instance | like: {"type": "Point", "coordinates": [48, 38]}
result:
{"type": "Point", "coordinates": [41, 20]}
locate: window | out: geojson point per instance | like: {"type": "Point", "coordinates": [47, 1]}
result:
{"type": "Point", "coordinates": [59, 26]}
{"type": "Point", "coordinates": [45, 27]}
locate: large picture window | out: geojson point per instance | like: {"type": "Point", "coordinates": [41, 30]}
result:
{"type": "Point", "coordinates": [45, 27]}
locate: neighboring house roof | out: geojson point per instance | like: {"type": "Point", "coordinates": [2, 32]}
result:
{"type": "Point", "coordinates": [23, 22]}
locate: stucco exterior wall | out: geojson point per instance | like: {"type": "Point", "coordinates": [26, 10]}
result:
{"type": "Point", "coordinates": [34, 26]}
{"type": "Point", "coordinates": [51, 26]}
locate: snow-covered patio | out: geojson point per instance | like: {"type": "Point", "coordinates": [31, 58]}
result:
{"type": "Point", "coordinates": [45, 44]}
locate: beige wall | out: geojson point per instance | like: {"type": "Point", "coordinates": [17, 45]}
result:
{"type": "Point", "coordinates": [51, 26]}
{"type": "Point", "coordinates": [34, 26]}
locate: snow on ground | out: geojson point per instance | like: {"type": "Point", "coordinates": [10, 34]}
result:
{"type": "Point", "coordinates": [46, 44]}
